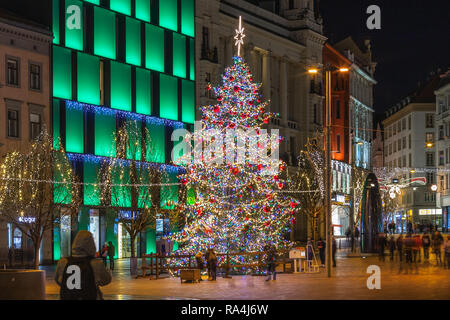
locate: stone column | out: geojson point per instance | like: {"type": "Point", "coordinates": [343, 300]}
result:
{"type": "Point", "coordinates": [266, 75]}
{"type": "Point", "coordinates": [283, 92]}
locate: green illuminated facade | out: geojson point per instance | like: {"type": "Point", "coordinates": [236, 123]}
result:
{"type": "Point", "coordinates": [116, 61]}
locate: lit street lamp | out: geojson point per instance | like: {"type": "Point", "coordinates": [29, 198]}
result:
{"type": "Point", "coordinates": [328, 72]}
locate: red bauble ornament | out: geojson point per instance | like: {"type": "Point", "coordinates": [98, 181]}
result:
{"type": "Point", "coordinates": [246, 219]}
{"type": "Point", "coordinates": [276, 178]}
{"type": "Point", "coordinates": [266, 209]}
{"type": "Point", "coordinates": [266, 224]}
{"type": "Point", "coordinates": [259, 166]}
{"type": "Point", "coordinates": [219, 98]}
{"type": "Point", "coordinates": [266, 120]}
{"type": "Point", "coordinates": [235, 171]}
{"type": "Point", "coordinates": [232, 125]}
{"type": "Point", "coordinates": [280, 185]}
{"type": "Point", "coordinates": [293, 205]}
{"type": "Point", "coordinates": [250, 103]}
{"type": "Point", "coordinates": [243, 116]}
{"type": "Point", "coordinates": [231, 78]}
{"type": "Point", "coordinates": [216, 109]}
{"type": "Point", "coordinates": [250, 79]}
{"type": "Point", "coordinates": [236, 89]}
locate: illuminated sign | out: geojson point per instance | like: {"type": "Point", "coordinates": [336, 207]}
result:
{"type": "Point", "coordinates": [27, 219]}
{"type": "Point", "coordinates": [159, 225]}
{"type": "Point", "coordinates": [430, 212]}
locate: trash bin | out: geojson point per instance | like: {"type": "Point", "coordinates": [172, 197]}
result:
{"type": "Point", "coordinates": [22, 285]}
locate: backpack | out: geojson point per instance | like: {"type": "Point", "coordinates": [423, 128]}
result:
{"type": "Point", "coordinates": [78, 281]}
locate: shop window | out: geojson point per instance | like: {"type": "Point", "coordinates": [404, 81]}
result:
{"type": "Point", "coordinates": [179, 55]}
{"type": "Point", "coordinates": [65, 235]}
{"type": "Point", "coordinates": [35, 125]}
{"type": "Point", "coordinates": [105, 129]}
{"type": "Point", "coordinates": [168, 97]}
{"type": "Point", "coordinates": [120, 86]}
{"type": "Point", "coordinates": [133, 42]}
{"type": "Point", "coordinates": [90, 176]}
{"type": "Point", "coordinates": [143, 92]}
{"type": "Point", "coordinates": [188, 101]}
{"type": "Point", "coordinates": [338, 143]}
{"type": "Point", "coordinates": [62, 73]}
{"type": "Point", "coordinates": [74, 130]}
{"type": "Point", "coordinates": [143, 10]}
{"type": "Point", "coordinates": [187, 18]}
{"type": "Point", "coordinates": [122, 6]}
{"type": "Point", "coordinates": [74, 24]}
{"type": "Point", "coordinates": [94, 226]}
{"type": "Point", "coordinates": [156, 144]}
{"type": "Point", "coordinates": [35, 76]}
{"type": "Point", "coordinates": [154, 42]}
{"type": "Point", "coordinates": [168, 14]}
{"type": "Point", "coordinates": [104, 33]}
{"type": "Point", "coordinates": [88, 82]}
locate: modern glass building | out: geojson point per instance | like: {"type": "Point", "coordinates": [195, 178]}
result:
{"type": "Point", "coordinates": [116, 61]}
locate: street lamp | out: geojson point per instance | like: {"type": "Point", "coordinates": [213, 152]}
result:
{"type": "Point", "coordinates": [434, 189]}
{"type": "Point", "coordinates": [328, 72]}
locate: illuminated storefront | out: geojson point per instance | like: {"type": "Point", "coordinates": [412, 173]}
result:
{"type": "Point", "coordinates": [116, 61]}
{"type": "Point", "coordinates": [340, 216]}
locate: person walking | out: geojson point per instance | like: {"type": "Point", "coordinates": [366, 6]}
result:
{"type": "Point", "coordinates": [333, 250]}
{"type": "Point", "coordinates": [91, 272]}
{"type": "Point", "coordinates": [417, 248]}
{"type": "Point", "coordinates": [104, 253]}
{"type": "Point", "coordinates": [321, 246]}
{"type": "Point", "coordinates": [392, 247]}
{"type": "Point", "coordinates": [212, 264]}
{"type": "Point", "coordinates": [271, 263]}
{"type": "Point", "coordinates": [381, 245]}
{"type": "Point", "coordinates": [409, 243]}
{"type": "Point", "coordinates": [111, 254]}
{"type": "Point", "coordinates": [426, 243]}
{"type": "Point", "coordinates": [437, 244]}
{"type": "Point", "coordinates": [447, 252]}
{"type": "Point", "coordinates": [399, 245]}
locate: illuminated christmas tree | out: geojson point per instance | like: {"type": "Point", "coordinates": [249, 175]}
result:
{"type": "Point", "coordinates": [240, 204]}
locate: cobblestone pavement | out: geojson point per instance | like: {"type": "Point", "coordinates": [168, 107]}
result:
{"type": "Point", "coordinates": [421, 281]}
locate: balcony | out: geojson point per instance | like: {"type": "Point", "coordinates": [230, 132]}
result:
{"type": "Point", "coordinates": [292, 124]}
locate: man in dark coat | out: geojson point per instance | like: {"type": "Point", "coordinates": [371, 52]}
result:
{"type": "Point", "coordinates": [271, 263]}
{"type": "Point", "coordinates": [111, 254]}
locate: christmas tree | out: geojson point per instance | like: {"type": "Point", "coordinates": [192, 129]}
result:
{"type": "Point", "coordinates": [239, 206]}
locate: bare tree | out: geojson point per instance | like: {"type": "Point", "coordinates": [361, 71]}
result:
{"type": "Point", "coordinates": [37, 189]}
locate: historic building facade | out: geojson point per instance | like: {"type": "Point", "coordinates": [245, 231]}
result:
{"type": "Point", "coordinates": [24, 98]}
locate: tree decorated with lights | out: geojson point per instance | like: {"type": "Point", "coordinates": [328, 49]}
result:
{"type": "Point", "coordinates": [37, 189]}
{"type": "Point", "coordinates": [239, 201]}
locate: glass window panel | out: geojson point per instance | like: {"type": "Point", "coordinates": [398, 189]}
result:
{"type": "Point", "coordinates": [97, 2]}
{"type": "Point", "coordinates": [154, 59]}
{"type": "Point", "coordinates": [74, 24]}
{"type": "Point", "coordinates": [62, 73]}
{"type": "Point", "coordinates": [121, 195]}
{"type": "Point", "coordinates": [143, 92]}
{"type": "Point", "coordinates": [88, 78]}
{"type": "Point", "coordinates": [156, 151]}
{"type": "Point", "coordinates": [105, 129]}
{"type": "Point", "coordinates": [55, 10]}
{"type": "Point", "coordinates": [168, 97]}
{"type": "Point", "coordinates": [122, 6]}
{"type": "Point", "coordinates": [179, 55]}
{"type": "Point", "coordinates": [188, 101]}
{"type": "Point", "coordinates": [74, 131]}
{"type": "Point", "coordinates": [187, 18]}
{"type": "Point", "coordinates": [168, 14]}
{"type": "Point", "coordinates": [143, 10]}
{"type": "Point", "coordinates": [104, 33]}
{"type": "Point", "coordinates": [91, 192]}
{"type": "Point", "coordinates": [120, 86]}
{"type": "Point", "coordinates": [133, 41]}
{"type": "Point", "coordinates": [134, 147]}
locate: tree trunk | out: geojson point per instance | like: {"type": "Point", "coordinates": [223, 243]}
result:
{"type": "Point", "coordinates": [133, 241]}
{"type": "Point", "coordinates": [37, 246]}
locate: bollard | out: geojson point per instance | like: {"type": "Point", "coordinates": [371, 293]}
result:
{"type": "Point", "coordinates": [22, 285]}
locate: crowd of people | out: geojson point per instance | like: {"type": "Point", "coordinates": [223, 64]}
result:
{"type": "Point", "coordinates": [423, 227]}
{"type": "Point", "coordinates": [415, 248]}
{"type": "Point", "coordinates": [210, 258]}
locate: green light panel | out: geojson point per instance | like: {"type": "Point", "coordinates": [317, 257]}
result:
{"type": "Point", "coordinates": [187, 18]}
{"type": "Point", "coordinates": [62, 73]}
{"type": "Point", "coordinates": [168, 97]}
{"type": "Point", "coordinates": [179, 55]}
{"type": "Point", "coordinates": [55, 10]}
{"type": "Point", "coordinates": [120, 86]}
{"type": "Point", "coordinates": [105, 128]}
{"type": "Point", "coordinates": [169, 194]}
{"type": "Point", "coordinates": [122, 6]}
{"type": "Point", "coordinates": [88, 78]}
{"type": "Point", "coordinates": [56, 124]}
{"type": "Point", "coordinates": [74, 24]}
{"type": "Point", "coordinates": [74, 131]}
{"type": "Point", "coordinates": [83, 219]}
{"type": "Point", "coordinates": [144, 177]}
{"type": "Point", "coordinates": [143, 92]}
{"type": "Point", "coordinates": [91, 193]}
{"type": "Point", "coordinates": [154, 51]}
{"type": "Point", "coordinates": [168, 14]}
{"type": "Point", "coordinates": [104, 33]}
{"type": "Point", "coordinates": [120, 195]}
{"type": "Point", "coordinates": [134, 132]}
{"type": "Point", "coordinates": [192, 58]}
{"type": "Point", "coordinates": [190, 196]}
{"type": "Point", "coordinates": [156, 150]}
{"type": "Point", "coordinates": [133, 42]}
{"type": "Point", "coordinates": [97, 2]}
{"type": "Point", "coordinates": [188, 101]}
{"type": "Point", "coordinates": [143, 10]}
{"type": "Point", "coordinates": [56, 243]}
{"type": "Point", "coordinates": [151, 241]}
{"type": "Point", "coordinates": [62, 193]}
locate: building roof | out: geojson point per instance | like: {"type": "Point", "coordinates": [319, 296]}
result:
{"type": "Point", "coordinates": [18, 21]}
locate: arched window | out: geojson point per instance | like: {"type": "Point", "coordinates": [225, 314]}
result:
{"type": "Point", "coordinates": [17, 239]}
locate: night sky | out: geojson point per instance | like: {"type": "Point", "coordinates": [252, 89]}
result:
{"type": "Point", "coordinates": [413, 41]}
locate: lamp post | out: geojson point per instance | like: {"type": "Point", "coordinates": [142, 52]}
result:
{"type": "Point", "coordinates": [434, 189]}
{"type": "Point", "coordinates": [328, 229]}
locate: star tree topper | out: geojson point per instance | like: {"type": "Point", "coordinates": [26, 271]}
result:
{"type": "Point", "coordinates": [239, 37]}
